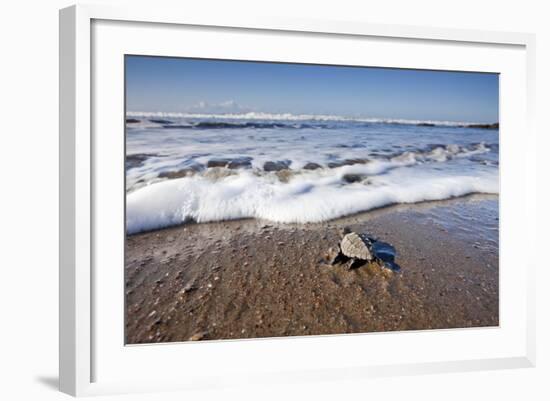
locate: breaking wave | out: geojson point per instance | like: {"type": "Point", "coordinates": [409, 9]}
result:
{"type": "Point", "coordinates": [290, 117]}
{"type": "Point", "coordinates": [295, 168]}
{"type": "Point", "coordinates": [308, 197]}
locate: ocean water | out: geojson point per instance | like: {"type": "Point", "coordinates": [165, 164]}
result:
{"type": "Point", "coordinates": [295, 169]}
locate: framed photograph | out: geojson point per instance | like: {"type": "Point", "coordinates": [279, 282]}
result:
{"type": "Point", "coordinates": [279, 200]}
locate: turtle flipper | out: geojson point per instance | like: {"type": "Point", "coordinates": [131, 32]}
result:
{"type": "Point", "coordinates": [339, 258]}
{"type": "Point", "coordinates": [355, 263]}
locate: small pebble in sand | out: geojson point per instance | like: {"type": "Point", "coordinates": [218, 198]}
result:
{"type": "Point", "coordinates": [153, 313]}
{"type": "Point", "coordinates": [209, 285]}
{"type": "Point", "coordinates": [186, 290]}
{"type": "Point", "coordinates": [198, 336]}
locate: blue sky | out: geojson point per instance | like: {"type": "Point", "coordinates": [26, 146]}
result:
{"type": "Point", "coordinates": [215, 86]}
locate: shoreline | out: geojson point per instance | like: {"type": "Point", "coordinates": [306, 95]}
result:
{"type": "Point", "coordinates": [252, 278]}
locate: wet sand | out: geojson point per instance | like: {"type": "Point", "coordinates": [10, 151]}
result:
{"type": "Point", "coordinates": [251, 278]}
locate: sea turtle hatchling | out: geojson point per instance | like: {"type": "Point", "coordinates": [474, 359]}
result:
{"type": "Point", "coordinates": [355, 247]}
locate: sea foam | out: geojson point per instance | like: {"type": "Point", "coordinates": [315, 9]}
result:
{"type": "Point", "coordinates": [229, 169]}
{"type": "Point", "coordinates": [262, 116]}
{"type": "Point", "coordinates": [313, 197]}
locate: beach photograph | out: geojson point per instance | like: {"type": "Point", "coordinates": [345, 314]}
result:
{"type": "Point", "coordinates": [270, 199]}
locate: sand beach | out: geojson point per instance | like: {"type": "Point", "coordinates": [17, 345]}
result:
{"type": "Point", "coordinates": [249, 278]}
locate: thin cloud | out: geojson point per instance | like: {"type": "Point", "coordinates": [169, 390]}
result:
{"type": "Point", "coordinates": [228, 106]}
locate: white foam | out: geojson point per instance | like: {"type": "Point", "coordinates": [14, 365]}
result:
{"type": "Point", "coordinates": [289, 117]}
{"type": "Point", "coordinates": [314, 196]}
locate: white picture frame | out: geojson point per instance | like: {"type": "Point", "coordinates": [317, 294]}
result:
{"type": "Point", "coordinates": [84, 352]}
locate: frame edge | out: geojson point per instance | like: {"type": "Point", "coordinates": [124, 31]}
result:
{"type": "Point", "coordinates": [74, 201]}
{"type": "Point", "coordinates": [530, 55]}
{"type": "Point", "coordinates": [67, 113]}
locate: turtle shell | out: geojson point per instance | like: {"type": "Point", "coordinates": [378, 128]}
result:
{"type": "Point", "coordinates": [357, 246]}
